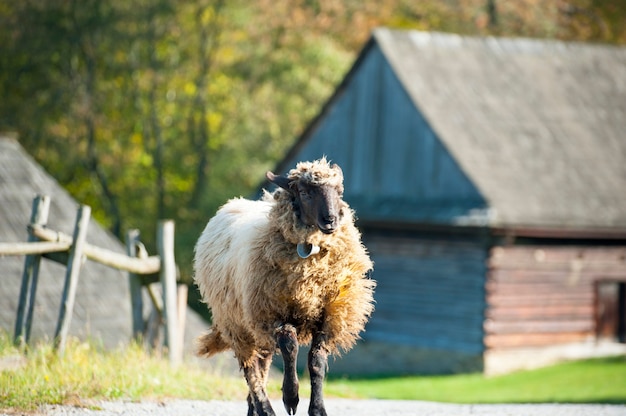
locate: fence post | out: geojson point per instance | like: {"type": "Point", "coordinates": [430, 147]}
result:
{"type": "Point", "coordinates": [136, 302]}
{"type": "Point", "coordinates": [165, 248]}
{"type": "Point", "coordinates": [181, 315]}
{"type": "Point", "coordinates": [71, 278]}
{"type": "Point", "coordinates": [28, 290]}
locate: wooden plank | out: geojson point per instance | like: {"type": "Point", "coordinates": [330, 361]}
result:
{"type": "Point", "coordinates": [165, 248]}
{"type": "Point", "coordinates": [536, 289]}
{"type": "Point", "coordinates": [155, 318]}
{"type": "Point", "coordinates": [427, 335]}
{"type": "Point", "coordinates": [456, 328]}
{"type": "Point", "coordinates": [530, 299]}
{"type": "Point", "coordinates": [538, 326]}
{"type": "Point", "coordinates": [71, 278]}
{"type": "Point", "coordinates": [408, 285]}
{"type": "Point", "coordinates": [611, 276]}
{"type": "Point", "coordinates": [420, 248]}
{"type": "Point", "coordinates": [549, 257]}
{"type": "Point", "coordinates": [542, 310]}
{"type": "Point", "coordinates": [539, 276]}
{"type": "Point", "coordinates": [134, 282]}
{"type": "Point", "coordinates": [582, 267]}
{"type": "Point", "coordinates": [109, 258]}
{"type": "Point", "coordinates": [560, 253]}
{"type": "Point", "coordinates": [182, 294]}
{"type": "Point", "coordinates": [424, 307]}
{"type": "Point", "coordinates": [556, 254]}
{"type": "Point", "coordinates": [35, 247]}
{"type": "Point", "coordinates": [533, 340]}
{"type": "Point", "coordinates": [28, 289]}
{"type": "Point", "coordinates": [429, 273]}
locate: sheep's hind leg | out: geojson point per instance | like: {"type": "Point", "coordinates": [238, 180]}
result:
{"type": "Point", "coordinates": [287, 340]}
{"type": "Point", "coordinates": [318, 361]}
{"type": "Point", "coordinates": [265, 361]}
{"type": "Point", "coordinates": [251, 409]}
{"type": "Point", "coordinates": [258, 402]}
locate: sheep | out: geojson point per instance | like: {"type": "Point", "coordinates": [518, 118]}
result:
{"type": "Point", "coordinates": [287, 270]}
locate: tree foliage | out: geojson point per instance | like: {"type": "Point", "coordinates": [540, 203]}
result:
{"type": "Point", "coordinates": [165, 108]}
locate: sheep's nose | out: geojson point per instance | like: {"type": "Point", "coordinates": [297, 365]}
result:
{"type": "Point", "coordinates": [328, 224]}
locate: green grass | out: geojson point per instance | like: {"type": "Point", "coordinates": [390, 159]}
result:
{"type": "Point", "coordinates": [86, 373]}
{"type": "Point", "coordinates": [589, 381]}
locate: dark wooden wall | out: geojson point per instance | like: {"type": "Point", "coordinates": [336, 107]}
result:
{"type": "Point", "coordinates": [539, 296]}
{"type": "Point", "coordinates": [430, 291]}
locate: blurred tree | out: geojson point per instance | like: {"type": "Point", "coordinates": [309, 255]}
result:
{"type": "Point", "coordinates": [51, 76]}
{"type": "Point", "coordinates": [166, 108]}
{"type": "Point", "coordinates": [592, 20]}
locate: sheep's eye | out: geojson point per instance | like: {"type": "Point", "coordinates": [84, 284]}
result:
{"type": "Point", "coordinates": [304, 194]}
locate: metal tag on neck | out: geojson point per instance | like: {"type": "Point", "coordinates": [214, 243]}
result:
{"type": "Point", "coordinates": [306, 250]}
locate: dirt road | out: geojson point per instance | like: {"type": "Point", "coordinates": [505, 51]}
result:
{"type": "Point", "coordinates": [337, 407]}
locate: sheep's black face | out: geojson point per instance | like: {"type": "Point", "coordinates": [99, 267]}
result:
{"type": "Point", "coordinates": [315, 205]}
{"type": "Point", "coordinates": [318, 206]}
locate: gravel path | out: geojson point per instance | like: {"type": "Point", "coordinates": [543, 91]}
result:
{"type": "Point", "coordinates": [336, 407]}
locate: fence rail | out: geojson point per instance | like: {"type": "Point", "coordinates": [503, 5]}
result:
{"type": "Point", "coordinates": [36, 247]}
{"type": "Point", "coordinates": [148, 265]}
{"type": "Point", "coordinates": [70, 251]}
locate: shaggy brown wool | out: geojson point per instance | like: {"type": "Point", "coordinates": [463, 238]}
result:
{"type": "Point", "coordinates": [253, 280]}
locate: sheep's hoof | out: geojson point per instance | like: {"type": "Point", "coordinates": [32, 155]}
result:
{"type": "Point", "coordinates": [291, 403]}
{"type": "Point", "coordinates": [317, 411]}
{"type": "Point", "coordinates": [290, 394]}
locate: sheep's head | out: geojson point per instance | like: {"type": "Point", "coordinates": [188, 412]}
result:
{"type": "Point", "coordinates": [316, 190]}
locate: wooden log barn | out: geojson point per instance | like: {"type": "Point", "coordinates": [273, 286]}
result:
{"type": "Point", "coordinates": [489, 180]}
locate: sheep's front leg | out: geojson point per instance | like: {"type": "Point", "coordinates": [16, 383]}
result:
{"type": "Point", "coordinates": [318, 362]}
{"type": "Point", "coordinates": [258, 402]}
{"type": "Point", "coordinates": [287, 340]}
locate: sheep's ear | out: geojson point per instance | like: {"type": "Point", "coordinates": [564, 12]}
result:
{"type": "Point", "coordinates": [338, 169]}
{"type": "Point", "coordinates": [278, 180]}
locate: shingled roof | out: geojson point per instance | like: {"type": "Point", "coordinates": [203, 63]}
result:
{"type": "Point", "coordinates": [537, 126]}
{"type": "Point", "coordinates": [102, 307]}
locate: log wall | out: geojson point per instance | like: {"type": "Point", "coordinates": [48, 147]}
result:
{"type": "Point", "coordinates": [539, 296]}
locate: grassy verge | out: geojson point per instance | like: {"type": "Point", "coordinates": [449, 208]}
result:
{"type": "Point", "coordinates": [87, 373]}
{"type": "Point", "coordinates": [588, 381]}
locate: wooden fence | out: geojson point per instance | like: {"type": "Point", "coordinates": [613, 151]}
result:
{"type": "Point", "coordinates": [170, 306]}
